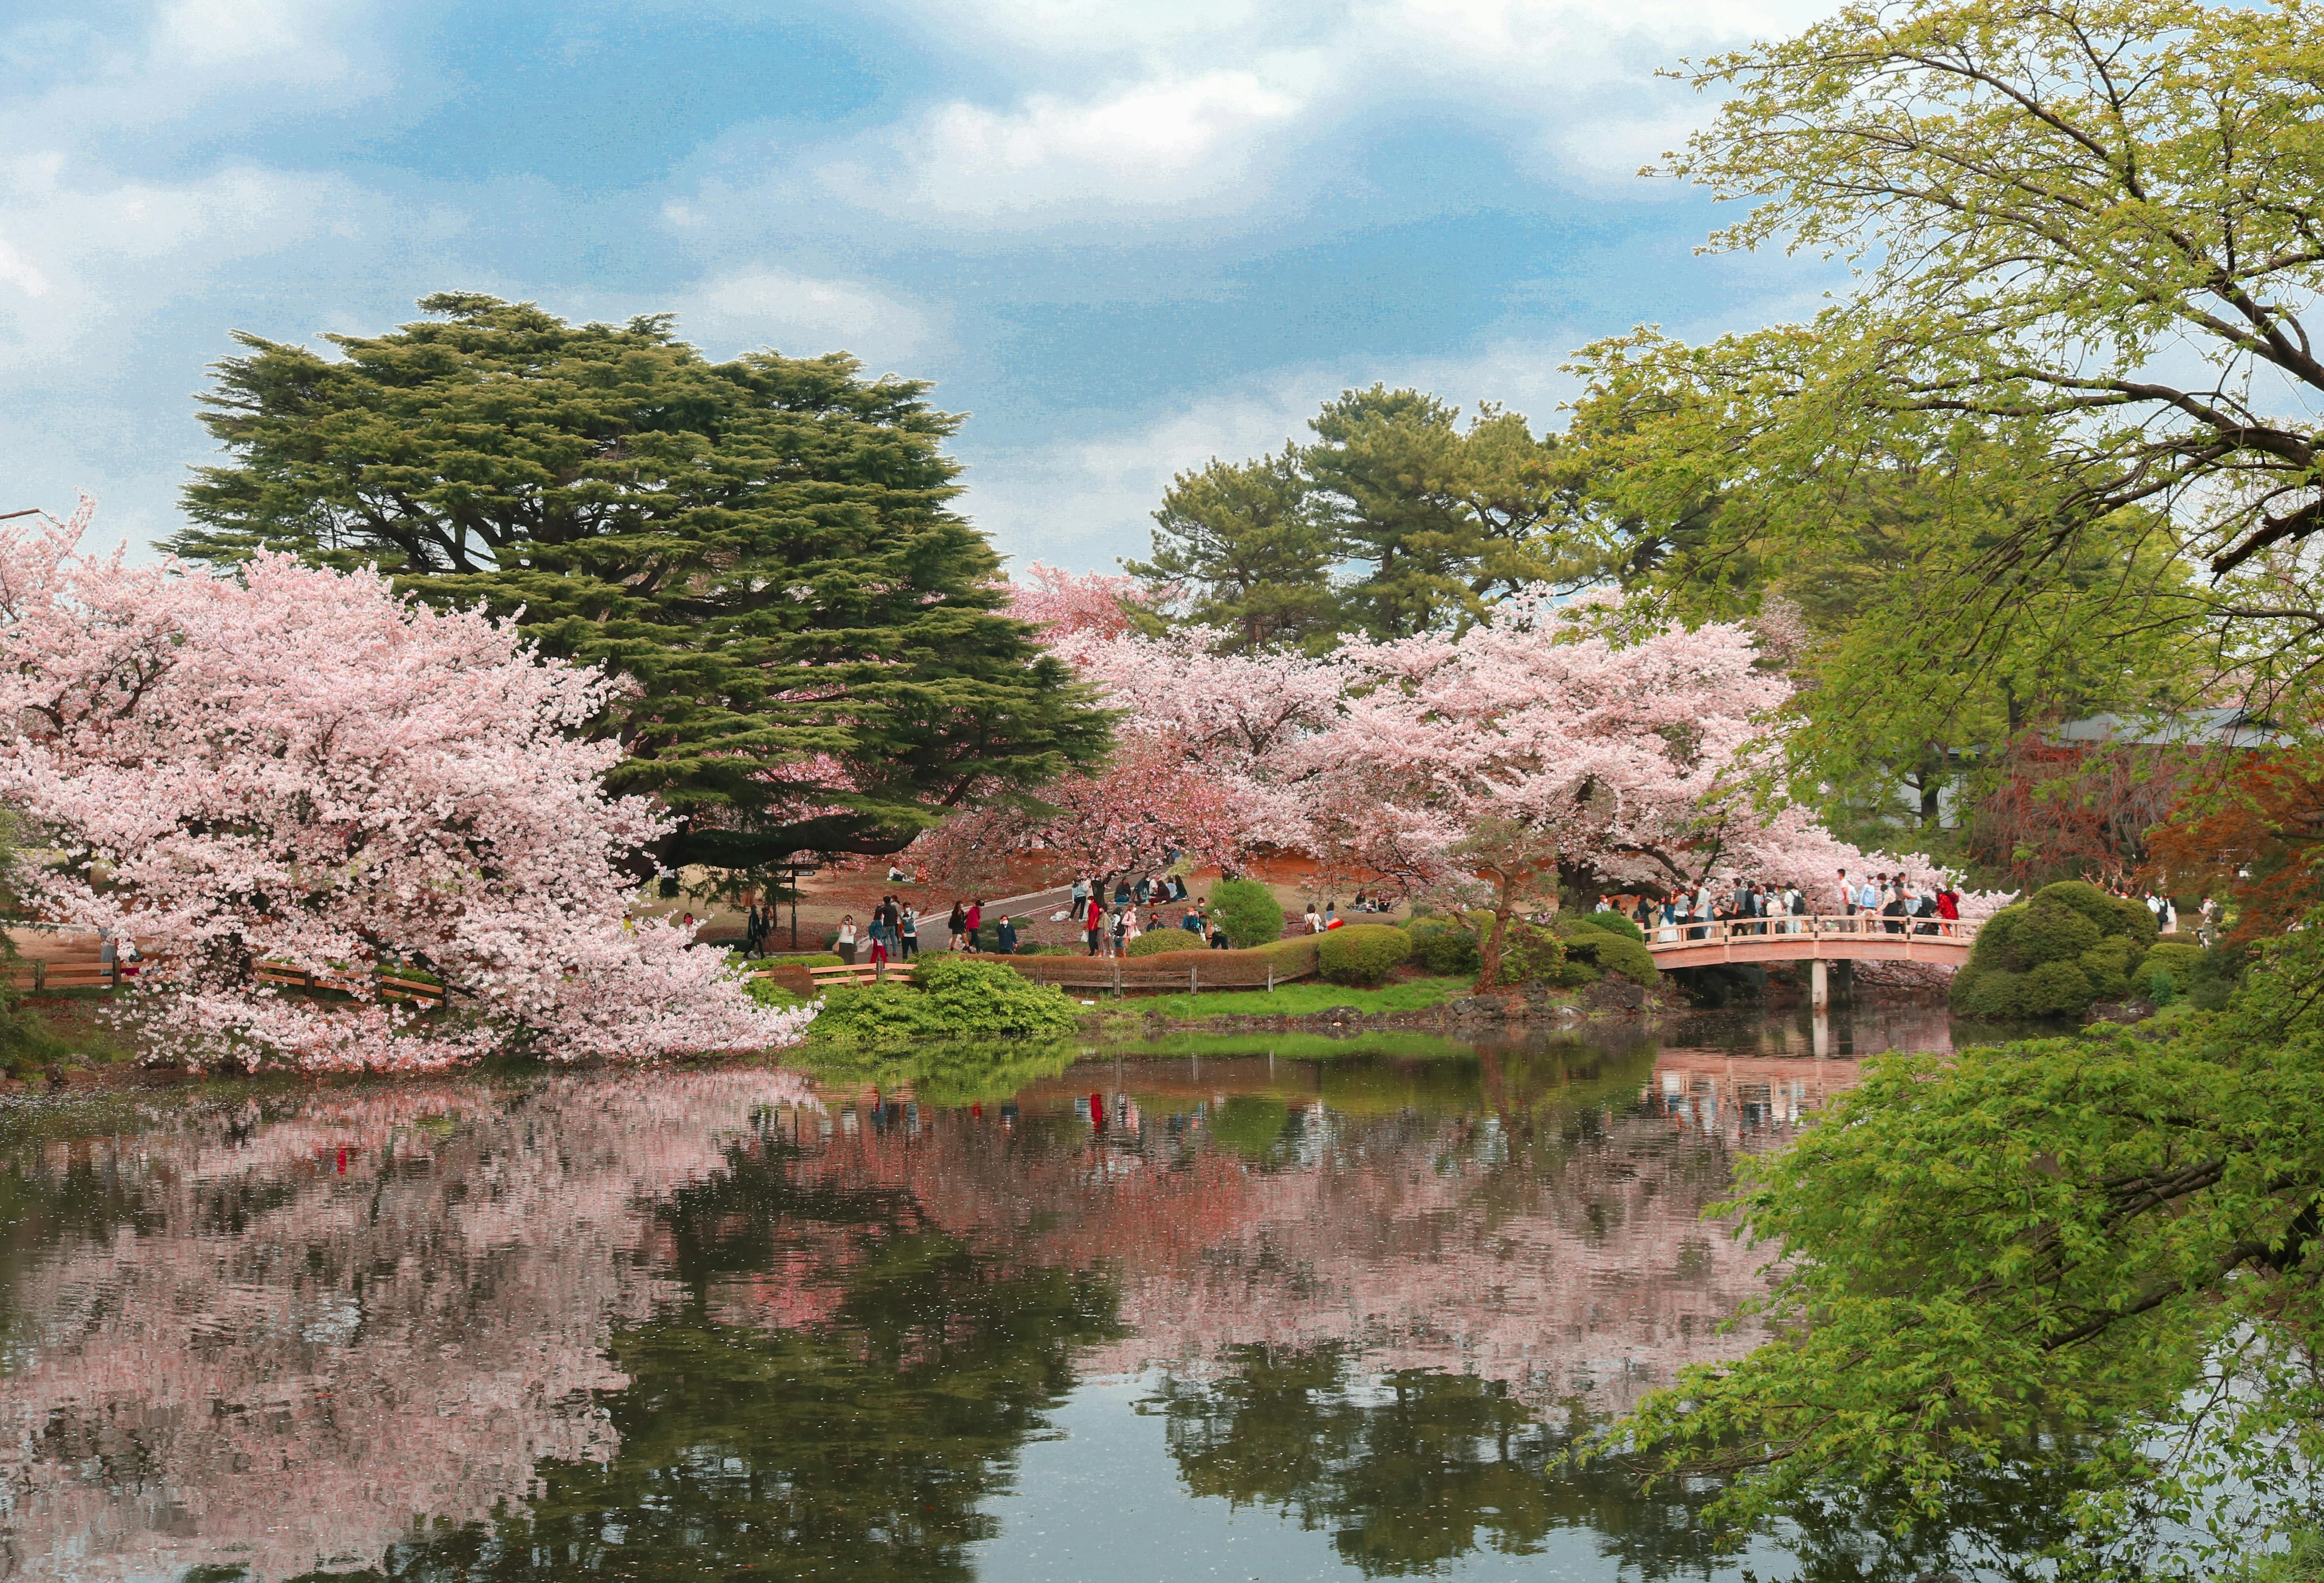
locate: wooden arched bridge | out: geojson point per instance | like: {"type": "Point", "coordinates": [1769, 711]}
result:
{"type": "Point", "coordinates": [1864, 937]}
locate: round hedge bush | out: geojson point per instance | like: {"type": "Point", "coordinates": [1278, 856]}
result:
{"type": "Point", "coordinates": [1162, 942]}
{"type": "Point", "coordinates": [2067, 945]}
{"type": "Point", "coordinates": [1611, 953]}
{"type": "Point", "coordinates": [1247, 911]}
{"type": "Point", "coordinates": [1362, 954]}
{"type": "Point", "coordinates": [1616, 924]}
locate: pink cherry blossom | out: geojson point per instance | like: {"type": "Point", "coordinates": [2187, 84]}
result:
{"type": "Point", "coordinates": [295, 767]}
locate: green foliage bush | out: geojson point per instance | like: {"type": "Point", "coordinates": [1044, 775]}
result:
{"type": "Point", "coordinates": [2056, 989]}
{"type": "Point", "coordinates": [1247, 911]}
{"type": "Point", "coordinates": [1443, 949]}
{"type": "Point", "coordinates": [1536, 955]}
{"type": "Point", "coordinates": [950, 997]}
{"type": "Point", "coordinates": [1362, 954]}
{"type": "Point", "coordinates": [1616, 924]}
{"type": "Point", "coordinates": [1163, 941]}
{"type": "Point", "coordinates": [806, 959]}
{"type": "Point", "coordinates": [2052, 954]}
{"type": "Point", "coordinates": [1609, 952]}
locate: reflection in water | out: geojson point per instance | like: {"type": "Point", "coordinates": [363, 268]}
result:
{"type": "Point", "coordinates": [689, 1325]}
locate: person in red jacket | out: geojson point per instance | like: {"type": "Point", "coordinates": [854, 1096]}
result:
{"type": "Point", "coordinates": [975, 921]}
{"type": "Point", "coordinates": [1094, 923]}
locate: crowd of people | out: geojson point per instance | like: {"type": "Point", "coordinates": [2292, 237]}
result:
{"type": "Point", "coordinates": [1756, 907]}
{"type": "Point", "coordinates": [1108, 930]}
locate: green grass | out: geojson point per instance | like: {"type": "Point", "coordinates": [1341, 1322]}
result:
{"type": "Point", "coordinates": [1302, 998]}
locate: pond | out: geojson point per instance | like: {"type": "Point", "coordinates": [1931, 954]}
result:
{"type": "Point", "coordinates": [1225, 1309]}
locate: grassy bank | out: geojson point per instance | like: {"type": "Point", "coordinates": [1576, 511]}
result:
{"type": "Point", "coordinates": [1301, 999]}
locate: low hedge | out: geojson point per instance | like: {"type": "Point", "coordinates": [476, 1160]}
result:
{"type": "Point", "coordinates": [1608, 952]}
{"type": "Point", "coordinates": [806, 959]}
{"type": "Point", "coordinates": [1163, 941]}
{"type": "Point", "coordinates": [1361, 954]}
{"type": "Point", "coordinates": [1444, 948]}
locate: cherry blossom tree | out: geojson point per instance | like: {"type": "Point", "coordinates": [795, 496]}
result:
{"type": "Point", "coordinates": [295, 767]}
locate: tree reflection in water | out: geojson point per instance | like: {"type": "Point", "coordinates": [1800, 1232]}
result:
{"type": "Point", "coordinates": [1411, 1469]}
{"type": "Point", "coordinates": [677, 1326]}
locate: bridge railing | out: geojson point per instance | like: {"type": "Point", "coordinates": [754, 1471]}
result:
{"type": "Point", "coordinates": [1826, 927]}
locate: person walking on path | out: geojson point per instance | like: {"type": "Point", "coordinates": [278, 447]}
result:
{"type": "Point", "coordinates": [958, 921]}
{"type": "Point", "coordinates": [907, 932]}
{"type": "Point", "coordinates": [1005, 933]}
{"type": "Point", "coordinates": [974, 920]}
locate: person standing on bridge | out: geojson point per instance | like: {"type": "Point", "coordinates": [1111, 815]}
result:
{"type": "Point", "coordinates": [1847, 897]}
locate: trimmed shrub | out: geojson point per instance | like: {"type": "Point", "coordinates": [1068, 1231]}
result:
{"type": "Point", "coordinates": [806, 959]}
{"type": "Point", "coordinates": [1162, 942]}
{"type": "Point", "coordinates": [1247, 911]}
{"type": "Point", "coordinates": [2114, 915]}
{"type": "Point", "coordinates": [1445, 949]}
{"type": "Point", "coordinates": [1616, 924]}
{"type": "Point", "coordinates": [2049, 932]}
{"type": "Point", "coordinates": [2057, 988]}
{"type": "Point", "coordinates": [949, 997]}
{"type": "Point", "coordinates": [1361, 954]}
{"type": "Point", "coordinates": [2052, 954]}
{"type": "Point", "coordinates": [1611, 953]}
{"type": "Point", "coordinates": [1535, 955]}
{"type": "Point", "coordinates": [1996, 993]}
{"type": "Point", "coordinates": [2107, 966]}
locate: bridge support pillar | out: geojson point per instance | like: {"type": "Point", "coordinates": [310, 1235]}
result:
{"type": "Point", "coordinates": [1819, 984]}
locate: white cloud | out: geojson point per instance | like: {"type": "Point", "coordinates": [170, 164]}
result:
{"type": "Point", "coordinates": [109, 254]}
{"type": "Point", "coordinates": [748, 309]}
{"type": "Point", "coordinates": [1164, 141]}
{"type": "Point", "coordinates": [1124, 112]}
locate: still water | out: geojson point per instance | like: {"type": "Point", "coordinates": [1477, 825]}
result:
{"type": "Point", "coordinates": [1211, 1311]}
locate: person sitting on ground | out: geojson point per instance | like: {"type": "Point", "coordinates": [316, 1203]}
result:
{"type": "Point", "coordinates": [1314, 920]}
{"type": "Point", "coordinates": [1192, 922]}
{"type": "Point", "coordinates": [895, 876]}
{"type": "Point", "coordinates": [1332, 913]}
{"type": "Point", "coordinates": [1138, 892]}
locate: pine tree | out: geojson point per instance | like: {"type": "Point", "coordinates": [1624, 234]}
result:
{"type": "Point", "coordinates": [765, 547]}
{"type": "Point", "coordinates": [1241, 545]}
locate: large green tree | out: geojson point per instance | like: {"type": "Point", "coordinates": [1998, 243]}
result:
{"type": "Point", "coordinates": [1438, 522]}
{"type": "Point", "coordinates": [1241, 546]}
{"type": "Point", "coordinates": [766, 547]}
{"type": "Point", "coordinates": [2085, 238]}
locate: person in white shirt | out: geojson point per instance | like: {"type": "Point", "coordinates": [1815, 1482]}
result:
{"type": "Point", "coordinates": [1847, 896]}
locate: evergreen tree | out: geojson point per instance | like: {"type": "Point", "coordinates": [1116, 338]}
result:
{"type": "Point", "coordinates": [1444, 520]}
{"type": "Point", "coordinates": [765, 547]}
{"type": "Point", "coordinates": [1241, 545]}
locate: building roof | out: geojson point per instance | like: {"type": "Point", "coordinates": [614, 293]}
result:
{"type": "Point", "coordinates": [2204, 728]}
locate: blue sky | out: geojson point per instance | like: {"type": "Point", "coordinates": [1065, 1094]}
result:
{"type": "Point", "coordinates": [1123, 237]}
